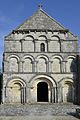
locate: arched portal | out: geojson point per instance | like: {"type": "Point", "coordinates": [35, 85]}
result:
{"type": "Point", "coordinates": [16, 91]}
{"type": "Point", "coordinates": [42, 92]}
{"type": "Point", "coordinates": [66, 90]}
{"type": "Point", "coordinates": [43, 89]}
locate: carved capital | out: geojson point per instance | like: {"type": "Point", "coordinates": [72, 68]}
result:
{"type": "Point", "coordinates": [50, 61]}
{"type": "Point", "coordinates": [21, 40]}
{"type": "Point", "coordinates": [48, 40]}
{"type": "Point", "coordinates": [19, 61]}
{"type": "Point", "coordinates": [64, 61]}
{"type": "Point", "coordinates": [35, 40]}
{"type": "Point", "coordinates": [60, 40]}
{"type": "Point", "coordinates": [36, 62]}
{"type": "Point", "coordinates": [6, 61]}
{"type": "Point", "coordinates": [46, 62]}
{"type": "Point", "coordinates": [32, 62]}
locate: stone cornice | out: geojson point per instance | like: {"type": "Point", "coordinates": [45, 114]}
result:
{"type": "Point", "coordinates": [38, 30]}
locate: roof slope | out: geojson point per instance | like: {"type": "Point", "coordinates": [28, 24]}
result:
{"type": "Point", "coordinates": [40, 20]}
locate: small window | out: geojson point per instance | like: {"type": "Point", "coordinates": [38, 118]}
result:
{"type": "Point", "coordinates": [42, 47]}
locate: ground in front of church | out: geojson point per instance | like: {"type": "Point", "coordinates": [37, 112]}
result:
{"type": "Point", "coordinates": [38, 118]}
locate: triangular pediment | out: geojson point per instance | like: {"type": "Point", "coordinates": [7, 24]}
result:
{"type": "Point", "coordinates": [40, 20]}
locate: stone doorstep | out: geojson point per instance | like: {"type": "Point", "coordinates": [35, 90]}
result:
{"type": "Point", "coordinates": [38, 118]}
{"type": "Point", "coordinates": [40, 103]}
{"type": "Point", "coordinates": [38, 109]}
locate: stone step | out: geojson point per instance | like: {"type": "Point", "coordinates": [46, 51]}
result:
{"type": "Point", "coordinates": [37, 109]}
{"type": "Point", "coordinates": [38, 118]}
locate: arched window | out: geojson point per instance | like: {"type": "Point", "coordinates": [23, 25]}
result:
{"type": "Point", "coordinates": [56, 66]}
{"type": "Point", "coordinates": [68, 92]}
{"type": "Point", "coordinates": [41, 65]}
{"type": "Point", "coordinates": [27, 65]}
{"type": "Point", "coordinates": [71, 65]}
{"type": "Point", "coordinates": [42, 47]}
{"type": "Point", "coordinates": [13, 64]}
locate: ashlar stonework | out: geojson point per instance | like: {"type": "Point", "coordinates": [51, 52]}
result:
{"type": "Point", "coordinates": [40, 62]}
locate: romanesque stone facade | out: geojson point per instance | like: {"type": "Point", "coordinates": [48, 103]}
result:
{"type": "Point", "coordinates": [40, 62]}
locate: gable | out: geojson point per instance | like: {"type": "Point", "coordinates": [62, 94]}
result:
{"type": "Point", "coordinates": [40, 20]}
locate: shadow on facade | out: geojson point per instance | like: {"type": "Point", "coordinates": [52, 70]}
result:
{"type": "Point", "coordinates": [78, 80]}
{"type": "Point", "coordinates": [70, 93]}
{"type": "Point", "coordinates": [1, 77]}
{"type": "Point", "coordinates": [74, 68]}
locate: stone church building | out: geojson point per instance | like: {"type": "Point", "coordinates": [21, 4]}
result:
{"type": "Point", "coordinates": [39, 62]}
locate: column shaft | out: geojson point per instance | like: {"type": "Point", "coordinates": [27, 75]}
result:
{"type": "Point", "coordinates": [63, 66]}
{"type": "Point", "coordinates": [20, 66]}
{"type": "Point", "coordinates": [50, 66]}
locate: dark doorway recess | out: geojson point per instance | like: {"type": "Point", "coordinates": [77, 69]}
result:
{"type": "Point", "coordinates": [42, 92]}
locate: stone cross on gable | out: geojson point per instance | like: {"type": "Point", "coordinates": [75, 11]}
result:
{"type": "Point", "coordinates": [40, 6]}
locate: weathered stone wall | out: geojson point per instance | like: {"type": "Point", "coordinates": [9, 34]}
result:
{"type": "Point", "coordinates": [32, 41]}
{"type": "Point", "coordinates": [26, 63]}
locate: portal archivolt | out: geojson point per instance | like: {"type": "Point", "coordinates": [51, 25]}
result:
{"type": "Point", "coordinates": [16, 91]}
{"type": "Point", "coordinates": [43, 90]}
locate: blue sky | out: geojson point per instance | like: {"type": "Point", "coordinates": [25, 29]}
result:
{"type": "Point", "coordinates": [14, 12]}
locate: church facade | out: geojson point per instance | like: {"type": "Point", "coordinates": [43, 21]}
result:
{"type": "Point", "coordinates": [39, 62]}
